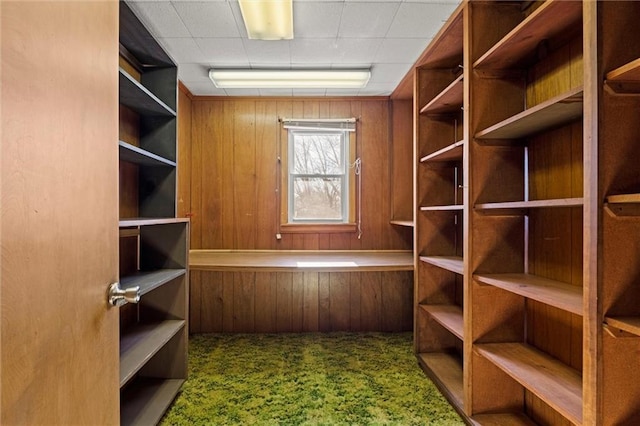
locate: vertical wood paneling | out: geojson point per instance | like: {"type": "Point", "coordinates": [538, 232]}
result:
{"type": "Point", "coordinates": [284, 302]}
{"type": "Point", "coordinates": [297, 301]}
{"type": "Point", "coordinates": [392, 301]}
{"type": "Point", "coordinates": [225, 173]}
{"type": "Point", "coordinates": [267, 128]}
{"type": "Point", "coordinates": [265, 302]}
{"type": "Point", "coordinates": [244, 174]}
{"type": "Point", "coordinates": [324, 319]}
{"type": "Point", "coordinates": [197, 116]}
{"type": "Point", "coordinates": [228, 290]}
{"type": "Point", "coordinates": [339, 297]}
{"type": "Point", "coordinates": [310, 302]}
{"type": "Point", "coordinates": [195, 301]}
{"type": "Point", "coordinates": [211, 294]}
{"type": "Point", "coordinates": [371, 303]}
{"type": "Point", "coordinates": [244, 302]}
{"type": "Point", "coordinates": [355, 295]}
{"type": "Point", "coordinates": [211, 184]}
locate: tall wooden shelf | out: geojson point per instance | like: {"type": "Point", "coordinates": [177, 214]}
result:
{"type": "Point", "coordinates": [153, 242]}
{"type": "Point", "coordinates": [618, 185]}
{"type": "Point", "coordinates": [438, 240]}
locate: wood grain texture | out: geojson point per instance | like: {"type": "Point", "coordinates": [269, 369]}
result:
{"type": "Point", "coordinates": [59, 361]}
{"type": "Point", "coordinates": [402, 155]}
{"type": "Point", "coordinates": [233, 173]}
{"type": "Point", "coordinates": [281, 302]}
{"type": "Point", "coordinates": [184, 153]}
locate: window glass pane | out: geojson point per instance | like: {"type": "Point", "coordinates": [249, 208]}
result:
{"type": "Point", "coordinates": [317, 198]}
{"type": "Point", "coordinates": [317, 154]}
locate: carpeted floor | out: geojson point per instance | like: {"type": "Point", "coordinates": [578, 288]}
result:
{"type": "Point", "coordinates": [293, 379]}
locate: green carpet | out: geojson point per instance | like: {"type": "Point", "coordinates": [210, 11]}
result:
{"type": "Point", "coordinates": [294, 379]}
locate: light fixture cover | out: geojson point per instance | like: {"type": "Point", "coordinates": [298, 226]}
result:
{"type": "Point", "coordinates": [268, 19]}
{"type": "Point", "coordinates": [272, 78]}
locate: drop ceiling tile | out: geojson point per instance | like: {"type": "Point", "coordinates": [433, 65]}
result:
{"type": "Point", "coordinates": [420, 20]}
{"type": "Point", "coordinates": [400, 50]}
{"type": "Point", "coordinates": [193, 72]}
{"type": "Point", "coordinates": [182, 50]}
{"type": "Point", "coordinates": [223, 51]}
{"type": "Point", "coordinates": [313, 19]}
{"type": "Point", "coordinates": [208, 19]}
{"type": "Point", "coordinates": [237, 15]}
{"type": "Point", "coordinates": [388, 73]}
{"type": "Point", "coordinates": [342, 92]}
{"type": "Point", "coordinates": [356, 50]}
{"type": "Point", "coordinates": [272, 53]}
{"type": "Point", "coordinates": [161, 18]}
{"type": "Point", "coordinates": [313, 52]}
{"type": "Point", "coordinates": [360, 20]}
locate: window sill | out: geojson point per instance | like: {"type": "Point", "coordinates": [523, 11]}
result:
{"type": "Point", "coordinates": [317, 228]}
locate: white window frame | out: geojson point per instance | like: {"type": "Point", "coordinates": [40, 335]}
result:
{"type": "Point", "coordinates": [344, 176]}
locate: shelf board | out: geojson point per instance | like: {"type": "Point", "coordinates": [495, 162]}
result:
{"type": "Point", "coordinates": [137, 155]}
{"type": "Point", "coordinates": [452, 152]}
{"type": "Point", "coordinates": [451, 207]}
{"type": "Point", "coordinates": [502, 419]}
{"type": "Point", "coordinates": [148, 221]}
{"type": "Point", "coordinates": [450, 263]}
{"type": "Point", "coordinates": [625, 79]}
{"type": "Point", "coordinates": [553, 293]}
{"type": "Point", "coordinates": [627, 324]}
{"type": "Point", "coordinates": [552, 18]}
{"type": "Point", "coordinates": [146, 402]}
{"type": "Point", "coordinates": [449, 316]}
{"type": "Point", "coordinates": [449, 100]}
{"type": "Point", "coordinates": [151, 280]}
{"type": "Point", "coordinates": [140, 343]}
{"type": "Point", "coordinates": [551, 113]}
{"type": "Point", "coordinates": [446, 372]}
{"type": "Point", "coordinates": [408, 223]}
{"type": "Point", "coordinates": [140, 99]}
{"type": "Point", "coordinates": [550, 380]}
{"type": "Point", "coordinates": [623, 204]}
{"type": "Point", "coordinates": [521, 206]}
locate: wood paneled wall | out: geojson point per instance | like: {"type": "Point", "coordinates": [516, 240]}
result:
{"type": "Point", "coordinates": [233, 173]}
{"type": "Point", "coordinates": [228, 172]}
{"type": "Point", "coordinates": [274, 302]}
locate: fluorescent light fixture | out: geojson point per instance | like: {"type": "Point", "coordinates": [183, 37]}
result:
{"type": "Point", "coordinates": [268, 19]}
{"type": "Point", "coordinates": [294, 79]}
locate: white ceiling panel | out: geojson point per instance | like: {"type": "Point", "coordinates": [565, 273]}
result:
{"type": "Point", "coordinates": [399, 50]}
{"type": "Point", "coordinates": [273, 53]}
{"type": "Point", "coordinates": [367, 19]}
{"type": "Point", "coordinates": [223, 51]}
{"type": "Point", "coordinates": [162, 18]}
{"type": "Point", "coordinates": [208, 19]}
{"type": "Point", "coordinates": [419, 20]}
{"type": "Point", "coordinates": [386, 36]}
{"type": "Point", "coordinates": [315, 19]}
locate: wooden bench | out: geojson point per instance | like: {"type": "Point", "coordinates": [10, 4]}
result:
{"type": "Point", "coordinates": [272, 291]}
{"type": "Point", "coordinates": [301, 260]}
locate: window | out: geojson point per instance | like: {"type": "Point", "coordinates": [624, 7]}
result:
{"type": "Point", "coordinates": [318, 178]}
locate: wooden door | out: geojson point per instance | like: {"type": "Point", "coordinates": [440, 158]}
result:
{"type": "Point", "coordinates": [59, 229]}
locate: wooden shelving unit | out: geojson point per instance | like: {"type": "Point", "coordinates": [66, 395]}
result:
{"type": "Point", "coordinates": [526, 268]}
{"type": "Point", "coordinates": [407, 223]}
{"type": "Point", "coordinates": [438, 232]}
{"type": "Point", "coordinates": [618, 185]}
{"type": "Point", "coordinates": [153, 242]}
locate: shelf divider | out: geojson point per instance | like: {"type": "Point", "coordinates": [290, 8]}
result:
{"type": "Point", "coordinates": [140, 99]}
{"type": "Point", "coordinates": [449, 100]}
{"type": "Point", "coordinates": [150, 280]}
{"type": "Point", "coordinates": [547, 21]}
{"type": "Point", "coordinates": [140, 343]}
{"type": "Point", "coordinates": [137, 155]}
{"type": "Point", "coordinates": [623, 204]}
{"type": "Point", "coordinates": [559, 110]}
{"type": "Point", "coordinates": [627, 324]}
{"type": "Point", "coordinates": [450, 263]}
{"type": "Point", "coordinates": [452, 152]}
{"type": "Point", "coordinates": [407, 223]}
{"type": "Point", "coordinates": [553, 293]}
{"type": "Point", "coordinates": [552, 381]}
{"type": "Point", "coordinates": [149, 221]}
{"type": "Point", "coordinates": [449, 316]}
{"type": "Point", "coordinates": [625, 79]}
{"type": "Point", "coordinates": [450, 207]}
{"type": "Point", "coordinates": [520, 207]}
